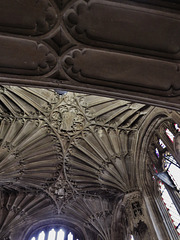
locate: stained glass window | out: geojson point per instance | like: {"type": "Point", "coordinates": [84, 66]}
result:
{"type": "Point", "coordinates": [157, 152]}
{"type": "Point", "coordinates": [170, 135]}
{"type": "Point", "coordinates": [162, 144]}
{"type": "Point", "coordinates": [168, 170]}
{"type": "Point", "coordinates": [172, 169]}
{"type": "Point", "coordinates": [177, 127]}
{"type": "Point", "coordinates": [54, 234]}
{"type": "Point", "coordinates": [173, 213]}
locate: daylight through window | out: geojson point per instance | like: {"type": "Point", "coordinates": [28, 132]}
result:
{"type": "Point", "coordinates": [55, 234]}
{"type": "Point", "coordinates": [167, 170]}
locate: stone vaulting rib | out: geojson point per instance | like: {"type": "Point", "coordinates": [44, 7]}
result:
{"type": "Point", "coordinates": [17, 208]}
{"type": "Point", "coordinates": [76, 151]}
{"type": "Point", "coordinates": [26, 102]}
{"type": "Point", "coordinates": [79, 159]}
{"type": "Point", "coordinates": [19, 163]}
{"type": "Point", "coordinates": [99, 161]}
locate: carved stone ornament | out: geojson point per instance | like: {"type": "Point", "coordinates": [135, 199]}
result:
{"type": "Point", "coordinates": [101, 164]}
{"type": "Point", "coordinates": [40, 59]}
{"type": "Point", "coordinates": [20, 164]}
{"type": "Point", "coordinates": [17, 209]}
{"type": "Point", "coordinates": [135, 208]}
{"type": "Point", "coordinates": [121, 71]}
{"type": "Point", "coordinates": [39, 16]}
{"type": "Point", "coordinates": [122, 49]}
{"type": "Point", "coordinates": [143, 30]}
{"type": "Point", "coordinates": [68, 117]}
{"type": "Point", "coordinates": [26, 102]}
{"type": "Point", "coordinates": [141, 230]}
{"type": "Point", "coordinates": [71, 159]}
{"type": "Point", "coordinates": [95, 213]}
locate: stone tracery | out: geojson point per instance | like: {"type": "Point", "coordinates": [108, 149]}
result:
{"type": "Point", "coordinates": [86, 176]}
{"type": "Point", "coordinates": [78, 159]}
{"type": "Point", "coordinates": [32, 144]}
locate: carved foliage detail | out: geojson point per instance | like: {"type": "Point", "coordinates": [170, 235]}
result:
{"type": "Point", "coordinates": [67, 116]}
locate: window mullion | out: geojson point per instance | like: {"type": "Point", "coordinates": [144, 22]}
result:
{"type": "Point", "coordinates": [175, 197]}
{"type": "Point", "coordinates": [66, 235]}
{"type": "Point", "coordinates": [46, 235]}
{"type": "Point", "coordinates": [56, 234]}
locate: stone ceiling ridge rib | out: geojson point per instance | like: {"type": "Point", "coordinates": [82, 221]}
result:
{"type": "Point", "coordinates": [98, 161]}
{"type": "Point", "coordinates": [18, 208]}
{"type": "Point", "coordinates": [26, 102]}
{"type": "Point", "coordinates": [77, 150]}
{"type": "Point", "coordinates": [29, 154]}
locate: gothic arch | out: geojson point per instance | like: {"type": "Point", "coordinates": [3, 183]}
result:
{"type": "Point", "coordinates": [158, 119]}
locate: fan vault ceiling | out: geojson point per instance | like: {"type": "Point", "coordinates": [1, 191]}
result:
{"type": "Point", "coordinates": [68, 158]}
{"type": "Point", "coordinates": [80, 160]}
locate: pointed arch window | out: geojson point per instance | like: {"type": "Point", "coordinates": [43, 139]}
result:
{"type": "Point", "coordinates": [54, 233]}
{"type": "Point", "coordinates": [166, 169]}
